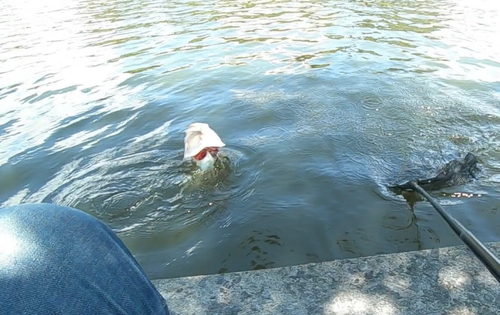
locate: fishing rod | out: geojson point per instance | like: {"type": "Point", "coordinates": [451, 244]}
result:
{"type": "Point", "coordinates": [482, 252]}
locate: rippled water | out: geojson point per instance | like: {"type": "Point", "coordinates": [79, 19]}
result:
{"type": "Point", "coordinates": [321, 105]}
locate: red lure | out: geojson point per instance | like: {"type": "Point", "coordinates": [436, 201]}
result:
{"type": "Point", "coordinates": [201, 155]}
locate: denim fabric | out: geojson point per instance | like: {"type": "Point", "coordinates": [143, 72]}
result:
{"type": "Point", "coordinates": [59, 260]}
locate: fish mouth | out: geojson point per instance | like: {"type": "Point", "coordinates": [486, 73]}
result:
{"type": "Point", "coordinates": [470, 164]}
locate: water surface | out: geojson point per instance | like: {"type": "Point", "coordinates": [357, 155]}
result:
{"type": "Point", "coordinates": [322, 104]}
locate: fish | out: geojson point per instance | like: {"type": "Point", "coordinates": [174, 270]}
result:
{"type": "Point", "coordinates": [454, 173]}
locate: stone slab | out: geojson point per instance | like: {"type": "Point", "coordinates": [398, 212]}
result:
{"type": "Point", "coordinates": [438, 281]}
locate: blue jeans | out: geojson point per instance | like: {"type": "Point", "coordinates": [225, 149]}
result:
{"type": "Point", "coordinates": [59, 260]}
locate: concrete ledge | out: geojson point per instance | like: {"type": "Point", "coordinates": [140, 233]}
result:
{"type": "Point", "coordinates": [438, 281]}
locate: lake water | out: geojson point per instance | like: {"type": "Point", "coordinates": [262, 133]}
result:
{"type": "Point", "coordinates": [322, 104]}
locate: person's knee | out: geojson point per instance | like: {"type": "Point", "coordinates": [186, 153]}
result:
{"type": "Point", "coordinates": [39, 215]}
{"type": "Point", "coordinates": [34, 234]}
{"type": "Point", "coordinates": [49, 253]}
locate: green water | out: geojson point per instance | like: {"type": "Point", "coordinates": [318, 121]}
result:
{"type": "Point", "coordinates": [322, 104]}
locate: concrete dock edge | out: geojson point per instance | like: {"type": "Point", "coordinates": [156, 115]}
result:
{"type": "Point", "coordinates": [438, 281]}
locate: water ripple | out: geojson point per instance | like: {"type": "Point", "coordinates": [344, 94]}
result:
{"type": "Point", "coordinates": [320, 104]}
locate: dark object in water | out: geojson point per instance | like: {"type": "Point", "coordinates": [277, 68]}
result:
{"type": "Point", "coordinates": [453, 173]}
